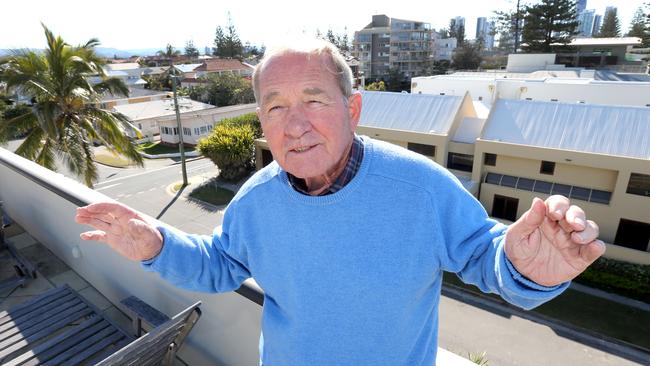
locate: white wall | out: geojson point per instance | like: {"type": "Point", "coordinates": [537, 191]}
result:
{"type": "Point", "coordinates": [482, 88]}
{"type": "Point", "coordinates": [520, 62]}
{"type": "Point", "coordinates": [192, 120]}
{"type": "Point", "coordinates": [571, 90]}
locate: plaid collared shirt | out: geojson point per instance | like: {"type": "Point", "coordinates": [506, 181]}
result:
{"type": "Point", "coordinates": [350, 170]}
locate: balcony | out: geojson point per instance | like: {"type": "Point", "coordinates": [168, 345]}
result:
{"type": "Point", "coordinates": [42, 205]}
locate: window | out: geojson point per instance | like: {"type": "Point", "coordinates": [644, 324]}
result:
{"type": "Point", "coordinates": [639, 184]}
{"type": "Point", "coordinates": [493, 178]}
{"type": "Point", "coordinates": [505, 207]}
{"type": "Point", "coordinates": [461, 162]}
{"type": "Point", "coordinates": [633, 234]}
{"type": "Point", "coordinates": [509, 181]}
{"type": "Point", "coordinates": [175, 130]}
{"type": "Point", "coordinates": [490, 159]}
{"type": "Point", "coordinates": [562, 189]}
{"type": "Point", "coordinates": [204, 130]}
{"type": "Point", "coordinates": [525, 184]}
{"type": "Point", "coordinates": [547, 167]}
{"type": "Point", "coordinates": [542, 187]}
{"type": "Point", "coordinates": [140, 126]}
{"type": "Point", "coordinates": [187, 131]}
{"type": "Point", "coordinates": [424, 149]}
{"type": "Point", "coordinates": [196, 131]}
{"type": "Point", "coordinates": [580, 193]}
{"type": "Point", "coordinates": [600, 196]}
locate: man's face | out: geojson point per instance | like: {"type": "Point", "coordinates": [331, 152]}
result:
{"type": "Point", "coordinates": [306, 120]}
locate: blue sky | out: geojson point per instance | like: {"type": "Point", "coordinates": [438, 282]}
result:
{"type": "Point", "coordinates": [137, 24]}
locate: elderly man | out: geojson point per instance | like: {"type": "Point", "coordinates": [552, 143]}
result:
{"type": "Point", "coordinates": [348, 236]}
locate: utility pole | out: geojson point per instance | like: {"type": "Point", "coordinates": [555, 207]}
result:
{"type": "Point", "coordinates": [181, 148]}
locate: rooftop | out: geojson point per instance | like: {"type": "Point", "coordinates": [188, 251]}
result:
{"type": "Point", "coordinates": [618, 41]}
{"type": "Point", "coordinates": [222, 65]}
{"type": "Point", "coordinates": [592, 128]}
{"type": "Point", "coordinates": [159, 108]}
{"type": "Point", "coordinates": [409, 112]}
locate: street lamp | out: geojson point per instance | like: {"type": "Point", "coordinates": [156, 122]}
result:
{"type": "Point", "coordinates": [181, 148]}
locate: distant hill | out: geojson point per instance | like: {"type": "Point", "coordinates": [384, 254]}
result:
{"type": "Point", "coordinates": [108, 52]}
{"type": "Point", "coordinates": [111, 52]}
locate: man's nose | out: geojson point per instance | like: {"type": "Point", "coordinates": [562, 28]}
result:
{"type": "Point", "coordinates": [298, 123]}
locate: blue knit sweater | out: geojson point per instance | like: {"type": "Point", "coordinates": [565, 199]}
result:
{"type": "Point", "coordinates": [351, 278]}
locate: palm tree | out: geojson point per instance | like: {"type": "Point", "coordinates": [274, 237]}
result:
{"type": "Point", "coordinates": [65, 117]}
{"type": "Point", "coordinates": [169, 52]}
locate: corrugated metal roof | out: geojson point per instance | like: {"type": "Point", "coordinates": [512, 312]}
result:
{"type": "Point", "coordinates": [159, 108]}
{"type": "Point", "coordinates": [602, 129]}
{"type": "Point", "coordinates": [409, 112]}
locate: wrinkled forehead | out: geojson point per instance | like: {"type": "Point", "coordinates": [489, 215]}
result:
{"type": "Point", "coordinates": [296, 60]}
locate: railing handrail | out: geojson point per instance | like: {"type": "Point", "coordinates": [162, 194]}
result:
{"type": "Point", "coordinates": [12, 161]}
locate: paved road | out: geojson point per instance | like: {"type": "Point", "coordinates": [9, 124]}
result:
{"type": "Point", "coordinates": [145, 189]}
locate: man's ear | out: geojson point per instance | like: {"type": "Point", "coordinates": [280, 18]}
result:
{"type": "Point", "coordinates": [354, 109]}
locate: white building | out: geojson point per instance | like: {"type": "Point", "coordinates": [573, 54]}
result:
{"type": "Point", "coordinates": [198, 123]}
{"type": "Point", "coordinates": [146, 115]}
{"type": "Point", "coordinates": [572, 86]}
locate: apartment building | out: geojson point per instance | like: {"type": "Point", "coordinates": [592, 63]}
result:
{"type": "Point", "coordinates": [388, 43]}
{"type": "Point", "coordinates": [598, 155]}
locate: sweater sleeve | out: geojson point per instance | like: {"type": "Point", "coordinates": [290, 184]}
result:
{"type": "Point", "coordinates": [198, 262]}
{"type": "Point", "coordinates": [473, 248]}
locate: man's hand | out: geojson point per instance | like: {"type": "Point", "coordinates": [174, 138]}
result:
{"type": "Point", "coordinates": [553, 242]}
{"type": "Point", "coordinates": [127, 231]}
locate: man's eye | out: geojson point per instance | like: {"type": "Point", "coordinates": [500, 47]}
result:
{"type": "Point", "coordinates": [274, 108]}
{"type": "Point", "coordinates": [315, 102]}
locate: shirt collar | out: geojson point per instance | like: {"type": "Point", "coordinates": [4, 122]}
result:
{"type": "Point", "coordinates": [351, 168]}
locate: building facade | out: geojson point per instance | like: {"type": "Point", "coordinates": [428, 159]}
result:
{"type": "Point", "coordinates": [389, 43]}
{"type": "Point", "coordinates": [586, 23]}
{"type": "Point", "coordinates": [484, 30]}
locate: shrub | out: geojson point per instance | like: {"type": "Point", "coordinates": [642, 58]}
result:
{"type": "Point", "coordinates": [626, 279]}
{"type": "Point", "coordinates": [249, 119]}
{"type": "Point", "coordinates": [231, 148]}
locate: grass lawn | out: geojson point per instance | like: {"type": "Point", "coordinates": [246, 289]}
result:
{"type": "Point", "coordinates": [589, 312]}
{"type": "Point", "coordinates": [155, 148]}
{"type": "Point", "coordinates": [214, 195]}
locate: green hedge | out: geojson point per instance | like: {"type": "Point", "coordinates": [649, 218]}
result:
{"type": "Point", "coordinates": [622, 278]}
{"type": "Point", "coordinates": [231, 146]}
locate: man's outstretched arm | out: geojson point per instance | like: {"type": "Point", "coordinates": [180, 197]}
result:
{"type": "Point", "coordinates": [194, 262]}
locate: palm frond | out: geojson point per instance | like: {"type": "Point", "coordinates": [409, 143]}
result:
{"type": "Point", "coordinates": [17, 125]}
{"type": "Point", "coordinates": [46, 155]}
{"type": "Point", "coordinates": [32, 144]}
{"type": "Point", "coordinates": [114, 86]}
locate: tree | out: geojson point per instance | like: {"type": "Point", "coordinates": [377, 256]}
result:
{"type": "Point", "coordinates": [457, 31]}
{"type": "Point", "coordinates": [549, 23]}
{"type": "Point", "coordinates": [376, 86]}
{"type": "Point", "coordinates": [611, 25]}
{"type": "Point", "coordinates": [223, 90]}
{"type": "Point", "coordinates": [467, 57]}
{"type": "Point", "coordinates": [169, 53]}
{"type": "Point", "coordinates": [227, 43]}
{"type": "Point", "coordinates": [395, 80]}
{"type": "Point", "coordinates": [190, 50]}
{"type": "Point", "coordinates": [639, 28]}
{"type": "Point", "coordinates": [508, 26]}
{"type": "Point", "coordinates": [65, 119]}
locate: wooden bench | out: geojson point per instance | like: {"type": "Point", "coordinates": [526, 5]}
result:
{"type": "Point", "coordinates": [60, 327]}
